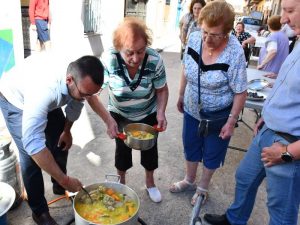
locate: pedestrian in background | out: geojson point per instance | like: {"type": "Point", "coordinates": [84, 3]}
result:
{"type": "Point", "coordinates": [39, 16]}
{"type": "Point", "coordinates": [244, 38]}
{"type": "Point", "coordinates": [274, 152]}
{"type": "Point", "coordinates": [275, 49]}
{"type": "Point", "coordinates": [211, 96]}
{"type": "Point", "coordinates": [138, 93]}
{"type": "Point", "coordinates": [188, 22]}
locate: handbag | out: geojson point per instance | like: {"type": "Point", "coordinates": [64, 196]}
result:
{"type": "Point", "coordinates": [210, 122]}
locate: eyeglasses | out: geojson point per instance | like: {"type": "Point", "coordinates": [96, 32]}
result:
{"type": "Point", "coordinates": [213, 36]}
{"type": "Point", "coordinates": [83, 95]}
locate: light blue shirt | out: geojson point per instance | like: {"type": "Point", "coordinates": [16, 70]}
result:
{"type": "Point", "coordinates": [37, 87]}
{"type": "Point", "coordinates": [281, 111]}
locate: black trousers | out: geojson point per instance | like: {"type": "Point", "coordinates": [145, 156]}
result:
{"type": "Point", "coordinates": [123, 154]}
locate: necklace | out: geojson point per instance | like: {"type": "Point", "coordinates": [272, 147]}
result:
{"type": "Point", "coordinates": [210, 51]}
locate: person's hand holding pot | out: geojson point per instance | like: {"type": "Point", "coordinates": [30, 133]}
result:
{"type": "Point", "coordinates": [112, 127]}
{"type": "Point", "coordinates": [161, 121]}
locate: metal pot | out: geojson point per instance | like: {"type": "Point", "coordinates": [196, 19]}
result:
{"type": "Point", "coordinates": [7, 198]}
{"type": "Point", "coordinates": [136, 143]}
{"type": "Point", "coordinates": [121, 188]}
{"type": "Point", "coordinates": [10, 169]}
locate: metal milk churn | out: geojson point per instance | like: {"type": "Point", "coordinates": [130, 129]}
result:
{"type": "Point", "coordinates": [10, 172]}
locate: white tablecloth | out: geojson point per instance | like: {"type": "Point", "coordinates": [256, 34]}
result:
{"type": "Point", "coordinates": [257, 74]}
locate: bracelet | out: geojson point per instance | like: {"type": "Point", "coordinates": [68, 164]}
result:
{"type": "Point", "coordinates": [65, 181]}
{"type": "Point", "coordinates": [234, 117]}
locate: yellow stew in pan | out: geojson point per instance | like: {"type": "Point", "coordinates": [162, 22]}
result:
{"type": "Point", "coordinates": [108, 206]}
{"type": "Point", "coordinates": [142, 135]}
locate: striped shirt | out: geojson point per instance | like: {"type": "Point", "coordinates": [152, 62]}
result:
{"type": "Point", "coordinates": [139, 103]}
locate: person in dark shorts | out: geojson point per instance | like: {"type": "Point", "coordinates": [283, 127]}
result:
{"type": "Point", "coordinates": [138, 93]}
{"type": "Point", "coordinates": [213, 88]}
{"type": "Point", "coordinates": [39, 20]}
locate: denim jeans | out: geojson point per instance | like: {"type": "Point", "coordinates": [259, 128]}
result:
{"type": "Point", "coordinates": [282, 181]}
{"type": "Point", "coordinates": [31, 172]}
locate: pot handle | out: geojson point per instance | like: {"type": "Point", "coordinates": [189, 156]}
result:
{"type": "Point", "coordinates": [158, 129]}
{"type": "Point", "coordinates": [122, 136]}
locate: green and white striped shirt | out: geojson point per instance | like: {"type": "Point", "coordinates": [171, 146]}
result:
{"type": "Point", "coordinates": [133, 105]}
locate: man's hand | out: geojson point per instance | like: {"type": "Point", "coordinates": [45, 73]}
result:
{"type": "Point", "coordinates": [272, 155]}
{"type": "Point", "coordinates": [259, 67]}
{"type": "Point", "coordinates": [33, 27]}
{"type": "Point", "coordinates": [161, 121]}
{"type": "Point", "coordinates": [258, 126]}
{"type": "Point", "coordinates": [112, 127]}
{"type": "Point", "coordinates": [71, 184]}
{"type": "Point", "coordinates": [65, 140]}
{"type": "Point", "coordinates": [271, 75]}
{"type": "Point", "coordinates": [180, 103]}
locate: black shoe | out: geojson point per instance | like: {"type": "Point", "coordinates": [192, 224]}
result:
{"type": "Point", "coordinates": [214, 219]}
{"type": "Point", "coordinates": [44, 219]}
{"type": "Point", "coordinates": [58, 190]}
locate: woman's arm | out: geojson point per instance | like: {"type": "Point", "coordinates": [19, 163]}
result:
{"type": "Point", "coordinates": [182, 86]}
{"type": "Point", "coordinates": [162, 100]}
{"type": "Point", "coordinates": [184, 28]}
{"type": "Point", "coordinates": [271, 53]}
{"type": "Point", "coordinates": [250, 40]}
{"type": "Point", "coordinates": [238, 104]}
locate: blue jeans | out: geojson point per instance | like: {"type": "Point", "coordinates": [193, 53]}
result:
{"type": "Point", "coordinates": [282, 181]}
{"type": "Point", "coordinates": [31, 172]}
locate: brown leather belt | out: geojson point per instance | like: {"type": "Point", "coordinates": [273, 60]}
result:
{"type": "Point", "coordinates": [288, 137]}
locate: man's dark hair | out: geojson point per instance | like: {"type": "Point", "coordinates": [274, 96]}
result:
{"type": "Point", "coordinates": [87, 66]}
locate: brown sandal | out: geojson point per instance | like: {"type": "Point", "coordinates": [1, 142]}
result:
{"type": "Point", "coordinates": [198, 192]}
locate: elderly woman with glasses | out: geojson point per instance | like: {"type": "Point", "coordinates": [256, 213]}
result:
{"type": "Point", "coordinates": [212, 94]}
{"type": "Point", "coordinates": [138, 93]}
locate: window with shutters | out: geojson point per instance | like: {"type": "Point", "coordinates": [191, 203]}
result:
{"type": "Point", "coordinates": [92, 15]}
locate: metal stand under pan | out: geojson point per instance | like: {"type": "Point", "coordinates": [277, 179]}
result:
{"type": "Point", "coordinates": [72, 221]}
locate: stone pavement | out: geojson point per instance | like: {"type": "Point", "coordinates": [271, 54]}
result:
{"type": "Point", "coordinates": [175, 209]}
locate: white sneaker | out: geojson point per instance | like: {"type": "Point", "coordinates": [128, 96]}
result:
{"type": "Point", "coordinates": [154, 194]}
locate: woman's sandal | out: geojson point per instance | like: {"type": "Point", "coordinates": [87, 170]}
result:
{"type": "Point", "coordinates": [197, 194]}
{"type": "Point", "coordinates": [182, 186]}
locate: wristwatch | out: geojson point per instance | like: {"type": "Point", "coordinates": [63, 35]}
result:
{"type": "Point", "coordinates": [287, 156]}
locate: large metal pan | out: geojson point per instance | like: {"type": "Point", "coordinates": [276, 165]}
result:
{"type": "Point", "coordinates": [139, 144]}
{"type": "Point", "coordinates": [7, 198]}
{"type": "Point", "coordinates": [121, 188]}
